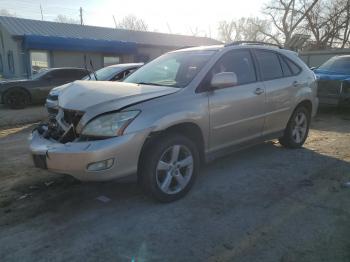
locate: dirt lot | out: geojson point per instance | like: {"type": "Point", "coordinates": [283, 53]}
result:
{"type": "Point", "coordinates": [9, 117]}
{"type": "Point", "coordinates": [266, 203]}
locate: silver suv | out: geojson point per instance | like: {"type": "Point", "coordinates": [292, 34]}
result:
{"type": "Point", "coordinates": [182, 108]}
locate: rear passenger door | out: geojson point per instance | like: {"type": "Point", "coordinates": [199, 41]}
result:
{"type": "Point", "coordinates": [280, 83]}
{"type": "Point", "coordinates": [236, 112]}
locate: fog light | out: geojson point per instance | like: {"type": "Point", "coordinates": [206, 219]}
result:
{"type": "Point", "coordinates": [101, 165]}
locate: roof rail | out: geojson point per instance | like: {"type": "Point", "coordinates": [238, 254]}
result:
{"type": "Point", "coordinates": [252, 43]}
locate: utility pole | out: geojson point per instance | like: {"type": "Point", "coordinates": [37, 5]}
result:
{"type": "Point", "coordinates": [169, 28]}
{"type": "Point", "coordinates": [115, 23]}
{"type": "Point", "coordinates": [41, 11]}
{"type": "Point", "coordinates": [81, 16]}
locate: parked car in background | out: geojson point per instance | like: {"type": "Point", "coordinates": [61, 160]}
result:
{"type": "Point", "coordinates": [110, 73]}
{"type": "Point", "coordinates": [18, 94]}
{"type": "Point", "coordinates": [333, 79]}
{"type": "Point", "coordinates": [184, 107]}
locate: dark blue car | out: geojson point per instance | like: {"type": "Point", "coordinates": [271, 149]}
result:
{"type": "Point", "coordinates": [334, 81]}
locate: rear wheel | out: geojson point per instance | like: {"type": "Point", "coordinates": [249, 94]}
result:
{"type": "Point", "coordinates": [169, 167]}
{"type": "Point", "coordinates": [297, 128]}
{"type": "Point", "coordinates": [16, 98]}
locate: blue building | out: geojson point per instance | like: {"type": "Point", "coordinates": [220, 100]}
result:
{"type": "Point", "coordinates": [27, 45]}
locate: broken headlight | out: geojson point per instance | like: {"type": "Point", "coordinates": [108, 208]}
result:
{"type": "Point", "coordinates": [109, 125]}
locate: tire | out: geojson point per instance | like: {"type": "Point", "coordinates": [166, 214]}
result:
{"type": "Point", "coordinates": [163, 175]}
{"type": "Point", "coordinates": [16, 98]}
{"type": "Point", "coordinates": [297, 128]}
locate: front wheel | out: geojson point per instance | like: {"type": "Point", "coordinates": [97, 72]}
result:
{"type": "Point", "coordinates": [16, 98]}
{"type": "Point", "coordinates": [297, 128]}
{"type": "Point", "coordinates": [169, 167]}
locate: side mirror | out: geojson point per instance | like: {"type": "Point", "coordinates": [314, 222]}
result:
{"type": "Point", "coordinates": [224, 79]}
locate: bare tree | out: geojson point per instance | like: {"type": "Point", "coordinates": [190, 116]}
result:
{"type": "Point", "coordinates": [66, 20]}
{"type": "Point", "coordinates": [131, 22]}
{"type": "Point", "coordinates": [287, 17]}
{"type": "Point", "coordinates": [227, 32]}
{"type": "Point", "coordinates": [328, 23]}
{"type": "Point", "coordinates": [248, 29]}
{"type": "Point", "coordinates": [194, 31]}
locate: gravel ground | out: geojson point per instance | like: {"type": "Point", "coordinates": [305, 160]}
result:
{"type": "Point", "coordinates": [266, 203]}
{"type": "Point", "coordinates": [10, 117]}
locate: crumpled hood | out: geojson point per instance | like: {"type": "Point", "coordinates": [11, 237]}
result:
{"type": "Point", "coordinates": [57, 90]}
{"type": "Point", "coordinates": [329, 75]}
{"type": "Point", "coordinates": [104, 96]}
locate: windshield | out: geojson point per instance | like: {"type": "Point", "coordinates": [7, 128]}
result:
{"type": "Point", "coordinates": [337, 65]}
{"type": "Point", "coordinates": [104, 74]}
{"type": "Point", "coordinates": [40, 74]}
{"type": "Point", "coordinates": [172, 69]}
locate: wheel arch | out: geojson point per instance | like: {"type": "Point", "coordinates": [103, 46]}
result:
{"type": "Point", "coordinates": [187, 129]}
{"type": "Point", "coordinates": [18, 88]}
{"type": "Point", "coordinates": [306, 103]}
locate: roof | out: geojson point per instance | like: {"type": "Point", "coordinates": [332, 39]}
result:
{"type": "Point", "coordinates": [126, 65]}
{"type": "Point", "coordinates": [201, 48]}
{"type": "Point", "coordinates": [22, 27]}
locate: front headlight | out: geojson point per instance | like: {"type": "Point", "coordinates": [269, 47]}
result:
{"type": "Point", "coordinates": [109, 125]}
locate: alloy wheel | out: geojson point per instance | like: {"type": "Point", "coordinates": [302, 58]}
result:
{"type": "Point", "coordinates": [300, 127]}
{"type": "Point", "coordinates": [174, 169]}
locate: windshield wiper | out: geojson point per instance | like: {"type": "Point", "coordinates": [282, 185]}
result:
{"type": "Point", "coordinates": [155, 84]}
{"type": "Point", "coordinates": [149, 84]}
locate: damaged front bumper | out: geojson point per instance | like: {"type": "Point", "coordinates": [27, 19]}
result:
{"type": "Point", "coordinates": [76, 158]}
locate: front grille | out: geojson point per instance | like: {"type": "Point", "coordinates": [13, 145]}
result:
{"type": "Point", "coordinates": [72, 116]}
{"type": "Point", "coordinates": [328, 87]}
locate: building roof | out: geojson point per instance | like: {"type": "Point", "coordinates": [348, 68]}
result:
{"type": "Point", "coordinates": [24, 27]}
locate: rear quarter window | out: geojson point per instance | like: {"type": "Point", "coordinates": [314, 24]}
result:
{"type": "Point", "coordinates": [269, 64]}
{"type": "Point", "coordinates": [293, 66]}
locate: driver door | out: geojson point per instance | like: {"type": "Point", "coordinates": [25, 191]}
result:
{"type": "Point", "coordinates": [237, 113]}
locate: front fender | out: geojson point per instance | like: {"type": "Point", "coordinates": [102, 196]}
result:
{"type": "Point", "coordinates": [160, 114]}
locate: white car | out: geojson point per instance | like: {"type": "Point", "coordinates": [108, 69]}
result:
{"type": "Point", "coordinates": [110, 73]}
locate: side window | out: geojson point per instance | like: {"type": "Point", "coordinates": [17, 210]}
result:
{"type": "Point", "coordinates": [59, 74]}
{"type": "Point", "coordinates": [118, 76]}
{"type": "Point", "coordinates": [295, 69]}
{"type": "Point", "coordinates": [238, 61]}
{"type": "Point", "coordinates": [74, 74]}
{"type": "Point", "coordinates": [285, 67]}
{"type": "Point", "coordinates": [269, 65]}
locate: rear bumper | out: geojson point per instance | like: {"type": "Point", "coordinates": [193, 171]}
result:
{"type": "Point", "coordinates": [73, 158]}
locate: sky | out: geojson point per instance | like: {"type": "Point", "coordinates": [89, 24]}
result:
{"type": "Point", "coordinates": [177, 16]}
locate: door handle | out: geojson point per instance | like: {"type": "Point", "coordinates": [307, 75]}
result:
{"type": "Point", "coordinates": [295, 84]}
{"type": "Point", "coordinates": [259, 91]}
